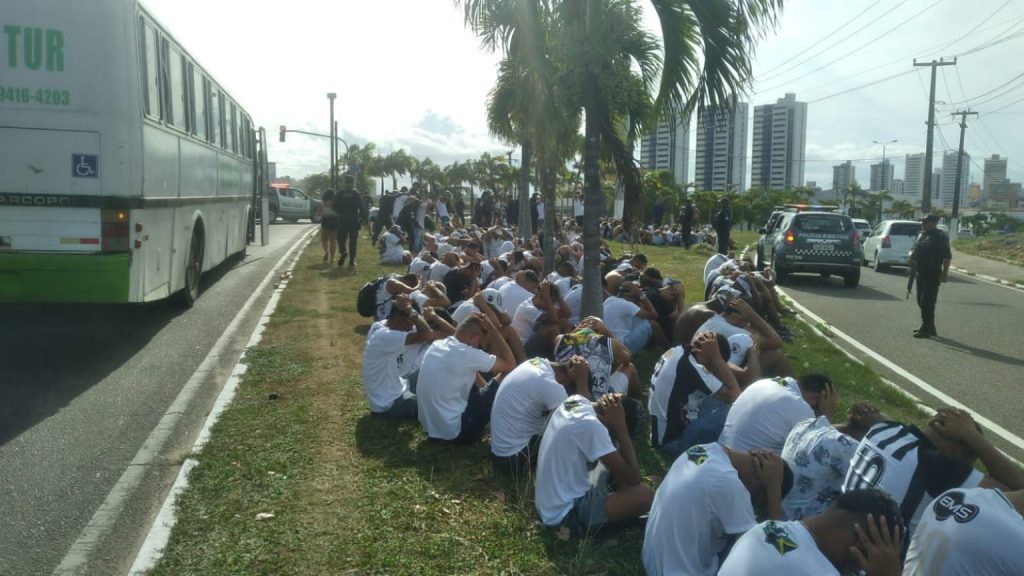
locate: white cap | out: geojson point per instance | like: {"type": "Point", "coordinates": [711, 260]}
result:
{"type": "Point", "coordinates": [739, 344]}
{"type": "Point", "coordinates": [443, 249]}
{"type": "Point", "coordinates": [492, 297]}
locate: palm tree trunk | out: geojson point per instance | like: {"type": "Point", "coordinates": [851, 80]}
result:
{"type": "Point", "coordinates": [547, 190]}
{"type": "Point", "coordinates": [525, 224]}
{"type": "Point", "coordinates": [593, 206]}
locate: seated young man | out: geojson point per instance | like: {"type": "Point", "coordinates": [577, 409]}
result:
{"type": "Point", "coordinates": [539, 320]}
{"type": "Point", "coordinates": [630, 316]}
{"type": "Point", "coordinates": [525, 399]}
{"type": "Point", "coordinates": [388, 391]}
{"type": "Point", "coordinates": [520, 289]}
{"type": "Point", "coordinates": [454, 400]}
{"type": "Point", "coordinates": [706, 501]}
{"type": "Point", "coordinates": [916, 465]}
{"type": "Point", "coordinates": [985, 529]}
{"type": "Point", "coordinates": [389, 290]}
{"type": "Point", "coordinates": [585, 445]}
{"type": "Point", "coordinates": [820, 453]}
{"type": "Point", "coordinates": [391, 251]}
{"type": "Point", "coordinates": [611, 364]}
{"type": "Point", "coordinates": [860, 531]}
{"type": "Point", "coordinates": [667, 296]}
{"type": "Point", "coordinates": [768, 409]}
{"type": "Point", "coordinates": [683, 377]}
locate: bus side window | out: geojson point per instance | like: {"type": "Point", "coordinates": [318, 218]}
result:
{"type": "Point", "coordinates": [215, 116]}
{"type": "Point", "coordinates": [178, 91]}
{"type": "Point", "coordinates": [233, 129]}
{"type": "Point", "coordinates": [151, 70]}
{"type": "Point", "coordinates": [198, 97]}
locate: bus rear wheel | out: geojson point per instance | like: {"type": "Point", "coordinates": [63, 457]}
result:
{"type": "Point", "coordinates": [193, 269]}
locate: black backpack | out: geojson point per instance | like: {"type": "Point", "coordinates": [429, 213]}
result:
{"type": "Point", "coordinates": [366, 303]}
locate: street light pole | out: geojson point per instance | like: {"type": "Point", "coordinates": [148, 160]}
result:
{"type": "Point", "coordinates": [334, 145]}
{"type": "Point", "coordinates": [886, 184]}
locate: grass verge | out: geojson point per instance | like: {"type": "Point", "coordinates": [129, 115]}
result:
{"type": "Point", "coordinates": [1007, 248]}
{"type": "Point", "coordinates": [299, 479]}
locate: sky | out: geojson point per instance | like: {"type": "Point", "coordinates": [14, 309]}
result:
{"type": "Point", "coordinates": [408, 74]}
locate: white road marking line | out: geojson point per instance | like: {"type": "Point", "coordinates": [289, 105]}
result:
{"type": "Point", "coordinates": [1003, 433]}
{"type": "Point", "coordinates": [77, 558]}
{"type": "Point", "coordinates": [989, 279]}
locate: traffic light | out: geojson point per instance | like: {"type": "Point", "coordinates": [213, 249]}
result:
{"type": "Point", "coordinates": [283, 130]}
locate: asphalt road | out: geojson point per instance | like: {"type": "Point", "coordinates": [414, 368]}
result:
{"type": "Point", "coordinates": [977, 357]}
{"type": "Point", "coordinates": [82, 387]}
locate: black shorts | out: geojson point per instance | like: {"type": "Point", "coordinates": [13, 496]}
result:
{"type": "Point", "coordinates": [329, 222]}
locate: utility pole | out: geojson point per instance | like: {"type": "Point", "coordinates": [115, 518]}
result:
{"type": "Point", "coordinates": [926, 195]}
{"type": "Point", "coordinates": [954, 224]}
{"type": "Point", "coordinates": [334, 145]}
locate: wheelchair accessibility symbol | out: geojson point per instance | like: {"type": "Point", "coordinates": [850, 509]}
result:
{"type": "Point", "coordinates": [85, 166]}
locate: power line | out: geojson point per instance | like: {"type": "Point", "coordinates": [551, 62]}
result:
{"type": "Point", "coordinates": [975, 29]}
{"type": "Point", "coordinates": [858, 48]}
{"type": "Point", "coordinates": [997, 88]}
{"type": "Point", "coordinates": [1004, 37]}
{"type": "Point", "coordinates": [820, 40]}
{"type": "Point", "coordinates": [862, 86]}
{"type": "Point", "coordinates": [1007, 106]}
{"type": "Point", "coordinates": [837, 43]}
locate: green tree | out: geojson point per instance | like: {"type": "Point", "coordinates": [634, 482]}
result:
{"type": "Point", "coordinates": [902, 209]}
{"type": "Point", "coordinates": [397, 164]}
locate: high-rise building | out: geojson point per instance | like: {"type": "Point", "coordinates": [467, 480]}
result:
{"type": "Point", "coordinates": [843, 177]}
{"type": "Point", "coordinates": [667, 147]}
{"type": "Point", "coordinates": [898, 189]}
{"type": "Point", "coordinates": [914, 177]}
{"type": "Point", "coordinates": [995, 174]}
{"type": "Point", "coordinates": [722, 148]}
{"type": "Point", "coordinates": [1014, 196]}
{"type": "Point", "coordinates": [780, 144]}
{"type": "Point", "coordinates": [949, 178]}
{"type": "Point", "coordinates": [881, 176]}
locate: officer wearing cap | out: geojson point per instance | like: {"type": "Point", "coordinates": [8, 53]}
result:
{"type": "Point", "coordinates": [930, 259]}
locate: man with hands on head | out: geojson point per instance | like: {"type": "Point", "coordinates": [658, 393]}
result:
{"type": "Point", "coordinates": [454, 400]}
{"type": "Point", "coordinates": [706, 502]}
{"type": "Point", "coordinates": [388, 375]}
{"type": "Point", "coordinates": [585, 446]}
{"type": "Point", "coordinates": [916, 465]}
{"type": "Point", "coordinates": [525, 399]}
{"type": "Point", "coordinates": [861, 530]}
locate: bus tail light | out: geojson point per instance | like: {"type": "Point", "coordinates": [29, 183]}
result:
{"type": "Point", "coordinates": [886, 242]}
{"type": "Point", "coordinates": [790, 238]}
{"type": "Point", "coordinates": [115, 230]}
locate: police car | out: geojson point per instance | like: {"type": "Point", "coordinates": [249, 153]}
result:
{"type": "Point", "coordinates": [812, 240]}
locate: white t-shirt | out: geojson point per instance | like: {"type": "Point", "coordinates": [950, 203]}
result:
{"type": "Point", "coordinates": [574, 439]}
{"type": "Point", "coordinates": [618, 316]}
{"type": "Point", "coordinates": [965, 532]}
{"type": "Point", "coordinates": [382, 374]}
{"type": "Point", "coordinates": [512, 295]}
{"type": "Point", "coordinates": [392, 253]}
{"type": "Point", "coordinates": [464, 310]}
{"type": "Point", "coordinates": [499, 282]}
{"type": "Point", "coordinates": [418, 266]}
{"type": "Point", "coordinates": [485, 272]}
{"type": "Point", "coordinates": [506, 246]}
{"type": "Point", "coordinates": [438, 270]}
{"type": "Point", "coordinates": [540, 210]}
{"type": "Point", "coordinates": [902, 461]}
{"type": "Point", "coordinates": [819, 456]}
{"type": "Point", "coordinates": [677, 368]}
{"type": "Point", "coordinates": [385, 300]}
{"type": "Point", "coordinates": [774, 547]}
{"type": "Point", "coordinates": [447, 375]}
{"type": "Point", "coordinates": [574, 300]}
{"type": "Point", "coordinates": [700, 502]}
{"type": "Point", "coordinates": [525, 318]}
{"type": "Point", "coordinates": [522, 404]}
{"type": "Point", "coordinates": [442, 210]}
{"type": "Point", "coordinates": [720, 325]}
{"type": "Point", "coordinates": [764, 414]}
{"type": "Point", "coordinates": [399, 204]}
{"type": "Point", "coordinates": [577, 207]}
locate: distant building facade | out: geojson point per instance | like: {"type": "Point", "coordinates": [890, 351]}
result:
{"type": "Point", "coordinates": [881, 176]}
{"type": "Point", "coordinates": [949, 183]}
{"type": "Point", "coordinates": [913, 177]}
{"type": "Point", "coordinates": [721, 161]}
{"type": "Point", "coordinates": [667, 147]}
{"type": "Point", "coordinates": [780, 144]}
{"type": "Point", "coordinates": [843, 177]}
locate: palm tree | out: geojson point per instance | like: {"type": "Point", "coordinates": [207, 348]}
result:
{"type": "Point", "coordinates": [902, 209]}
{"type": "Point", "coordinates": [397, 164]}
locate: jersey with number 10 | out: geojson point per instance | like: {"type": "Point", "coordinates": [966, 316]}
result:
{"type": "Point", "coordinates": [902, 461]}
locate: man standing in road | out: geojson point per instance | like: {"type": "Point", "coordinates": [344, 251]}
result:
{"type": "Point", "coordinates": [348, 204]}
{"type": "Point", "coordinates": [686, 218]}
{"type": "Point", "coordinates": [930, 259]}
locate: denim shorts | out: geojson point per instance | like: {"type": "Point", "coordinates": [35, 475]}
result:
{"type": "Point", "coordinates": [589, 512]}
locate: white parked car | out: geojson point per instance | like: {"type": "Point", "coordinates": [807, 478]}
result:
{"type": "Point", "coordinates": [862, 226]}
{"type": "Point", "coordinates": [890, 242]}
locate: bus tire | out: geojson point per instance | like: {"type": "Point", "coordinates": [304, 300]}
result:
{"type": "Point", "coordinates": [193, 268]}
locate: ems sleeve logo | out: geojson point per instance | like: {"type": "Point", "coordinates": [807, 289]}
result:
{"type": "Point", "coordinates": [951, 504]}
{"type": "Point", "coordinates": [778, 538]}
{"type": "Point", "coordinates": [698, 455]}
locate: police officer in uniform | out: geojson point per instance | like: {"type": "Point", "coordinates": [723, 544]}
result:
{"type": "Point", "coordinates": [930, 258]}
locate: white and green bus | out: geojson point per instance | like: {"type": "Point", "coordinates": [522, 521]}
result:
{"type": "Point", "coordinates": [125, 169]}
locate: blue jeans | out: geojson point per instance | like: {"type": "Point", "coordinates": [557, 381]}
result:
{"type": "Point", "coordinates": [639, 335]}
{"type": "Point", "coordinates": [703, 430]}
{"type": "Point", "coordinates": [477, 414]}
{"type": "Point", "coordinates": [416, 241]}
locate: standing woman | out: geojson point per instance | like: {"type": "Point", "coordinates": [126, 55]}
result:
{"type": "Point", "coordinates": [328, 226]}
{"type": "Point", "coordinates": [349, 207]}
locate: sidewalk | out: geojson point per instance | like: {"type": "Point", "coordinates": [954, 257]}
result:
{"type": "Point", "coordinates": [989, 269]}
